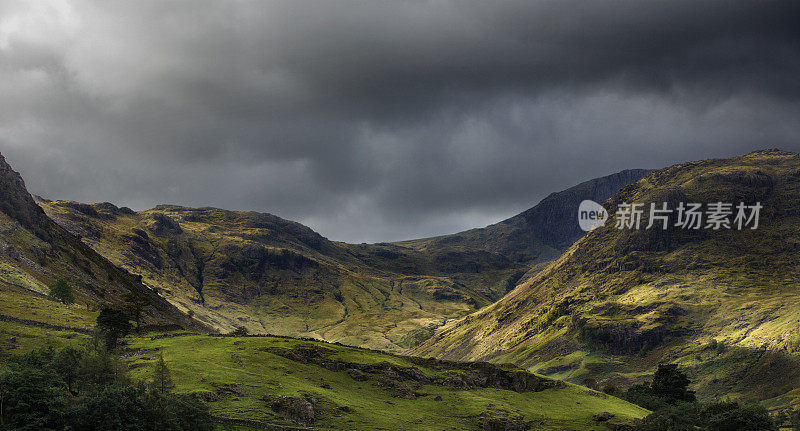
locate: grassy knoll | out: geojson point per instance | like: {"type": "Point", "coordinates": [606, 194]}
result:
{"type": "Point", "coordinates": [392, 392]}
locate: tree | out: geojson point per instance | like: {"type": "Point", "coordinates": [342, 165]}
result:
{"type": "Point", "coordinates": [31, 400]}
{"type": "Point", "coordinates": [642, 395]}
{"type": "Point", "coordinates": [672, 384]}
{"type": "Point", "coordinates": [115, 408]}
{"type": "Point", "coordinates": [187, 412]}
{"type": "Point", "coordinates": [62, 291]}
{"type": "Point", "coordinates": [66, 363]}
{"type": "Point", "coordinates": [99, 368]}
{"type": "Point", "coordinates": [135, 302]}
{"type": "Point", "coordinates": [34, 397]}
{"type": "Point", "coordinates": [162, 378]}
{"type": "Point", "coordinates": [113, 324]}
{"type": "Point", "coordinates": [730, 416]}
{"type": "Point", "coordinates": [240, 331]}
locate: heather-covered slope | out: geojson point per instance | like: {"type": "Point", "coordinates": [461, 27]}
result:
{"type": "Point", "coordinates": [723, 303]}
{"type": "Point", "coordinates": [35, 252]}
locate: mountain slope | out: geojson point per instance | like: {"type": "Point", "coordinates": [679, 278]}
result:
{"type": "Point", "coordinates": [35, 252]}
{"type": "Point", "coordinates": [723, 303]}
{"type": "Point", "coordinates": [492, 260]}
{"type": "Point", "coordinates": [276, 276]}
{"type": "Point", "coordinates": [550, 224]}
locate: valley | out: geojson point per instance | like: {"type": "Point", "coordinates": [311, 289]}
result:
{"type": "Point", "coordinates": [273, 276]}
{"type": "Point", "coordinates": [375, 336]}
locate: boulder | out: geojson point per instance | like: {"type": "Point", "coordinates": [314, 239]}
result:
{"type": "Point", "coordinates": [357, 375]}
{"type": "Point", "coordinates": [295, 409]}
{"type": "Point", "coordinates": [603, 417]}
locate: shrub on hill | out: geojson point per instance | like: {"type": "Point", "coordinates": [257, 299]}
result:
{"type": "Point", "coordinates": [61, 291]}
{"type": "Point", "coordinates": [675, 408]}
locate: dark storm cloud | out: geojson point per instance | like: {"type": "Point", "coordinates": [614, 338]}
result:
{"type": "Point", "coordinates": [383, 120]}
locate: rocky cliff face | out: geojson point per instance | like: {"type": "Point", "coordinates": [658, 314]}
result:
{"type": "Point", "coordinates": [538, 234]}
{"type": "Point", "coordinates": [553, 220]}
{"type": "Point", "coordinates": [35, 252]}
{"type": "Point", "coordinates": [17, 203]}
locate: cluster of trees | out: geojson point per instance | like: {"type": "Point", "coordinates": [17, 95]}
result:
{"type": "Point", "coordinates": [675, 407]}
{"type": "Point", "coordinates": [89, 388]}
{"type": "Point", "coordinates": [133, 308]}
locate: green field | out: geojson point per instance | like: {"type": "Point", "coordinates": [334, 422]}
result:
{"type": "Point", "coordinates": [239, 372]}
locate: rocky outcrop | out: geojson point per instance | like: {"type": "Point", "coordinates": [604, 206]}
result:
{"type": "Point", "coordinates": [499, 420]}
{"type": "Point", "coordinates": [162, 224]}
{"type": "Point", "coordinates": [403, 382]}
{"type": "Point", "coordinates": [296, 409]}
{"type": "Point", "coordinates": [603, 417]}
{"type": "Point", "coordinates": [17, 203]}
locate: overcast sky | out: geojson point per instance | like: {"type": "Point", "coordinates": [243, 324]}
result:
{"type": "Point", "coordinates": [376, 121]}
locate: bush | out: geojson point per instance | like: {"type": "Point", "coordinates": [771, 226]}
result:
{"type": "Point", "coordinates": [240, 331]}
{"type": "Point", "coordinates": [681, 417]}
{"type": "Point", "coordinates": [730, 416]}
{"type": "Point", "coordinates": [61, 291]}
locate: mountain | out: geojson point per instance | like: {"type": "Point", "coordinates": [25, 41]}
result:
{"type": "Point", "coordinates": [35, 252]}
{"type": "Point", "coordinates": [271, 275]}
{"type": "Point", "coordinates": [722, 303]}
{"type": "Point", "coordinates": [547, 228]}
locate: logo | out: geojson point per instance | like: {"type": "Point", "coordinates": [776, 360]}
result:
{"type": "Point", "coordinates": [591, 215]}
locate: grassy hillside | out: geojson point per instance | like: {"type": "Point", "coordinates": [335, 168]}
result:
{"type": "Point", "coordinates": [271, 275]}
{"type": "Point", "coordinates": [271, 380]}
{"type": "Point", "coordinates": [724, 304]}
{"type": "Point", "coordinates": [257, 382]}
